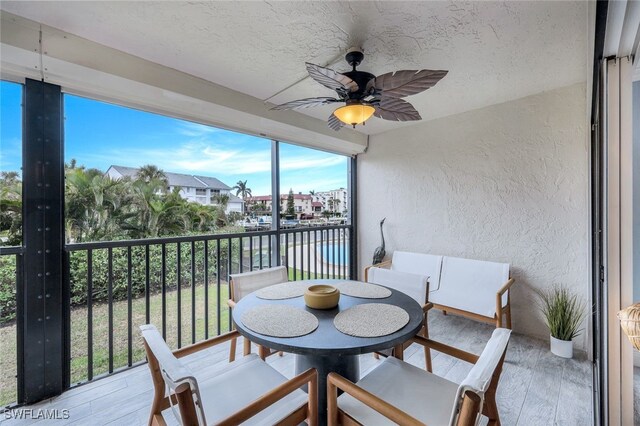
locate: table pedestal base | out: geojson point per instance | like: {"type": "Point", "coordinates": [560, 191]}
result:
{"type": "Point", "coordinates": [347, 366]}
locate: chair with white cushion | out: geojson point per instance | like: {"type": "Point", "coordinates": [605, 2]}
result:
{"type": "Point", "coordinates": [413, 285]}
{"type": "Point", "coordinates": [248, 391]}
{"type": "Point", "coordinates": [248, 282]}
{"type": "Point", "coordinates": [396, 392]}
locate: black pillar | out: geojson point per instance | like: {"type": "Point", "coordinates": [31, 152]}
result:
{"type": "Point", "coordinates": [44, 296]}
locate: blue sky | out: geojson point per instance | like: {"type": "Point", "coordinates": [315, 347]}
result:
{"type": "Point", "coordinates": [98, 135]}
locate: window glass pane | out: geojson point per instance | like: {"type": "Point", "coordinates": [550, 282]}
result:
{"type": "Point", "coordinates": [133, 175]}
{"type": "Point", "coordinates": [10, 231]}
{"type": "Point", "coordinates": [11, 163]}
{"type": "Point", "coordinates": [113, 147]}
{"type": "Point", "coordinates": [317, 183]}
{"type": "Point", "coordinates": [313, 205]}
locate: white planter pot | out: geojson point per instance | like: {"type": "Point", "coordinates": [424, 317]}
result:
{"type": "Point", "coordinates": [563, 348]}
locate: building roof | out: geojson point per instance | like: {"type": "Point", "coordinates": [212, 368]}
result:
{"type": "Point", "coordinates": [316, 204]}
{"type": "Point", "coordinates": [234, 199]}
{"type": "Point", "coordinates": [212, 182]}
{"type": "Point", "coordinates": [179, 179]}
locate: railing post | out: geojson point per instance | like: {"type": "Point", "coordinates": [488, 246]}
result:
{"type": "Point", "coordinates": [19, 328]}
{"type": "Point", "coordinates": [45, 307]}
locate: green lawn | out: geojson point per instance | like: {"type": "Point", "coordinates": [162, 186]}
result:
{"type": "Point", "coordinates": [79, 321]}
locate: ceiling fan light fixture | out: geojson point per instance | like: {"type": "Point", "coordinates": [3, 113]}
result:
{"type": "Point", "coordinates": [354, 113]}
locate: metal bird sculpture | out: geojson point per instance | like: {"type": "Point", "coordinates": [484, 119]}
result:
{"type": "Point", "coordinates": [378, 255]}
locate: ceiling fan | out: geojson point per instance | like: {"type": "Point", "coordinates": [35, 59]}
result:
{"type": "Point", "coordinates": [365, 95]}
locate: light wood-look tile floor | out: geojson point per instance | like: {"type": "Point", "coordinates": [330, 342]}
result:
{"type": "Point", "coordinates": [536, 387]}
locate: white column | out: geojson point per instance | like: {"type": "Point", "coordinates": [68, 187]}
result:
{"type": "Point", "coordinates": [619, 253]}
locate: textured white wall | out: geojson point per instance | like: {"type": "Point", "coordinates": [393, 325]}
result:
{"type": "Point", "coordinates": [507, 183]}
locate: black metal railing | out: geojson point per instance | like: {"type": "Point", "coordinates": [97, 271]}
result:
{"type": "Point", "coordinates": [11, 273]}
{"type": "Point", "coordinates": [179, 284]}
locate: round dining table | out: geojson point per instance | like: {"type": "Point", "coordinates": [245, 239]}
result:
{"type": "Point", "coordinates": [326, 349]}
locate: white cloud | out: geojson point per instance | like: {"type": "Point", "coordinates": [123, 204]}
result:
{"type": "Point", "coordinates": [201, 157]}
{"type": "Point", "coordinates": [190, 129]}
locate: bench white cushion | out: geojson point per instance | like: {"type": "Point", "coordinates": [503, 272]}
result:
{"type": "Point", "coordinates": [413, 285]}
{"type": "Point", "coordinates": [419, 264]}
{"type": "Point", "coordinates": [471, 285]}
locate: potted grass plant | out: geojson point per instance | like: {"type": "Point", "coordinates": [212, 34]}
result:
{"type": "Point", "coordinates": [563, 312]}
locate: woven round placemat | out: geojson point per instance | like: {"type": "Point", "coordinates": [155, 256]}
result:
{"type": "Point", "coordinates": [371, 320]}
{"type": "Point", "coordinates": [362, 290]}
{"type": "Point", "coordinates": [282, 291]}
{"type": "Point", "coordinates": [279, 321]}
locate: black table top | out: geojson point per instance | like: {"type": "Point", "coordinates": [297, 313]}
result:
{"type": "Point", "coordinates": [326, 339]}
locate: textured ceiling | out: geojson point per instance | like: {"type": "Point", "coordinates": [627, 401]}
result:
{"type": "Point", "coordinates": [495, 51]}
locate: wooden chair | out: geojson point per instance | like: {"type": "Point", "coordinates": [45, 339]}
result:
{"type": "Point", "coordinates": [248, 390]}
{"type": "Point", "coordinates": [248, 282]}
{"type": "Point", "coordinates": [396, 392]}
{"type": "Point", "coordinates": [414, 285]}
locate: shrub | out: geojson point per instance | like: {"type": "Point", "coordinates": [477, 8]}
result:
{"type": "Point", "coordinates": [563, 312]}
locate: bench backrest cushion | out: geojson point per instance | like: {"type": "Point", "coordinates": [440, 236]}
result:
{"type": "Point", "coordinates": [471, 285]}
{"type": "Point", "coordinates": [420, 264]}
{"type": "Point", "coordinates": [411, 284]}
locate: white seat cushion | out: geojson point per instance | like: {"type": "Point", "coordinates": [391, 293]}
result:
{"type": "Point", "coordinates": [419, 264]}
{"type": "Point", "coordinates": [424, 396]}
{"type": "Point", "coordinates": [471, 285]}
{"type": "Point", "coordinates": [242, 382]}
{"type": "Point", "coordinates": [249, 282]}
{"type": "Point", "coordinates": [410, 284]}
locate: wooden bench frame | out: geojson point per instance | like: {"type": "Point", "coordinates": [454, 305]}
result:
{"type": "Point", "coordinates": [469, 409]}
{"type": "Point", "coordinates": [183, 394]}
{"type": "Point", "coordinates": [502, 315]}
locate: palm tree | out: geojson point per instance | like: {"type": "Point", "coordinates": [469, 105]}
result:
{"type": "Point", "coordinates": [156, 214]}
{"type": "Point", "coordinates": [242, 189]}
{"type": "Point", "coordinates": [222, 200]}
{"type": "Point", "coordinates": [336, 204]}
{"type": "Point", "coordinates": [10, 178]}
{"type": "Point", "coordinates": [93, 205]}
{"type": "Point", "coordinates": [150, 172]}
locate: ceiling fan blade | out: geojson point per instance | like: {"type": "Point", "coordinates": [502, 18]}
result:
{"type": "Point", "coordinates": [395, 109]}
{"type": "Point", "coordinates": [305, 103]}
{"type": "Point", "coordinates": [334, 123]}
{"type": "Point", "coordinates": [331, 79]}
{"type": "Point", "coordinates": [399, 84]}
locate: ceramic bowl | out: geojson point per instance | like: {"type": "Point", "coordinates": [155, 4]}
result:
{"type": "Point", "coordinates": [321, 296]}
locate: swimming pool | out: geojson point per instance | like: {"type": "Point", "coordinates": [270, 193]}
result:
{"type": "Point", "coordinates": [341, 252]}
